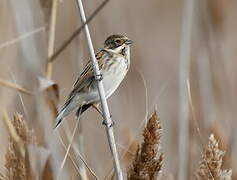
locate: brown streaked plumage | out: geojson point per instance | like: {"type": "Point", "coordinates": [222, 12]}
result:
{"type": "Point", "coordinates": [113, 61]}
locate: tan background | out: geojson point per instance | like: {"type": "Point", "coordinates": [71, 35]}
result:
{"type": "Point", "coordinates": [152, 82]}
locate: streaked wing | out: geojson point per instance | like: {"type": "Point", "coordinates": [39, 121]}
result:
{"type": "Point", "coordinates": [84, 71]}
{"type": "Point", "coordinates": [88, 69]}
{"type": "Point", "coordinates": [86, 77]}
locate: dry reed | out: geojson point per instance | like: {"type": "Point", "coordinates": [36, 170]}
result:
{"type": "Point", "coordinates": [14, 86]}
{"type": "Point", "coordinates": [46, 7]}
{"type": "Point", "coordinates": [17, 163]}
{"type": "Point", "coordinates": [148, 160]}
{"type": "Point", "coordinates": [20, 165]}
{"type": "Point", "coordinates": [211, 163]}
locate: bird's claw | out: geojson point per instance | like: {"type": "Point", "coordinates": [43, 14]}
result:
{"type": "Point", "coordinates": [98, 77]}
{"type": "Point", "coordinates": [109, 125]}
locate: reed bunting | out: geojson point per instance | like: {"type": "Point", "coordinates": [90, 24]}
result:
{"type": "Point", "coordinates": [114, 62]}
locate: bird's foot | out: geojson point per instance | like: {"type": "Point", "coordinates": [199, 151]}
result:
{"type": "Point", "coordinates": [98, 77]}
{"type": "Point", "coordinates": [109, 125]}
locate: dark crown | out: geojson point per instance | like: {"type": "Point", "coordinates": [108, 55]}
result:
{"type": "Point", "coordinates": [115, 41]}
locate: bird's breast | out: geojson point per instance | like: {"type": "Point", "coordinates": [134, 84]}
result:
{"type": "Point", "coordinates": [115, 74]}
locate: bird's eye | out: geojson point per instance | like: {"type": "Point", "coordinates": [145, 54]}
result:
{"type": "Point", "coordinates": [118, 41]}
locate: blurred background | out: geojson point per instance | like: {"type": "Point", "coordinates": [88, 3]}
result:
{"type": "Point", "coordinates": [183, 64]}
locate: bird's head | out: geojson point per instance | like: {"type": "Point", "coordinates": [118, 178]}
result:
{"type": "Point", "coordinates": [117, 43]}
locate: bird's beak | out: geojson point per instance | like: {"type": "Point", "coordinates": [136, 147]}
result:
{"type": "Point", "coordinates": [128, 42]}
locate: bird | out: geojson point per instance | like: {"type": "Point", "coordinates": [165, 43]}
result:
{"type": "Point", "coordinates": [113, 61]}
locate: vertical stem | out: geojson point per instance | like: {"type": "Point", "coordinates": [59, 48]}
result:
{"type": "Point", "coordinates": [82, 168]}
{"type": "Point", "coordinates": [185, 55]}
{"type": "Point", "coordinates": [52, 37]}
{"type": "Point", "coordinates": [104, 105]}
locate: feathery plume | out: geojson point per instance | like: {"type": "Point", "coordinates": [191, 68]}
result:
{"type": "Point", "coordinates": [212, 160]}
{"type": "Point", "coordinates": [148, 161]}
{"type": "Point", "coordinates": [17, 162]}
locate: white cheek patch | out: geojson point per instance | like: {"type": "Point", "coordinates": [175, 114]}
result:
{"type": "Point", "coordinates": [119, 49]}
{"type": "Point", "coordinates": [128, 52]}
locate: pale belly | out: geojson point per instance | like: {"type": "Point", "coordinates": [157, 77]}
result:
{"type": "Point", "coordinates": [113, 78]}
{"type": "Point", "coordinates": [111, 81]}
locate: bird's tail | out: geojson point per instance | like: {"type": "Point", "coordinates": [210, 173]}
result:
{"type": "Point", "coordinates": [67, 109]}
{"type": "Point", "coordinates": [69, 106]}
{"type": "Point", "coordinates": [59, 118]}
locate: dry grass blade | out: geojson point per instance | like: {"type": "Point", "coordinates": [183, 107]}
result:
{"type": "Point", "coordinates": [68, 149]}
{"type": "Point", "coordinates": [77, 151]}
{"type": "Point", "coordinates": [78, 155]}
{"type": "Point", "coordinates": [146, 93]}
{"type": "Point", "coordinates": [193, 110]}
{"type": "Point", "coordinates": [51, 93]}
{"type": "Point", "coordinates": [2, 177]}
{"type": "Point", "coordinates": [14, 135]}
{"type": "Point", "coordinates": [14, 86]}
{"type": "Point", "coordinates": [65, 148]}
{"type": "Point", "coordinates": [211, 163]}
{"type": "Point", "coordinates": [21, 37]}
{"type": "Point", "coordinates": [148, 161]}
{"type": "Point", "coordinates": [184, 70]}
{"type": "Point", "coordinates": [47, 7]}
{"type": "Point", "coordinates": [52, 29]}
{"type": "Point", "coordinates": [85, 163]}
{"type": "Point", "coordinates": [77, 32]}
